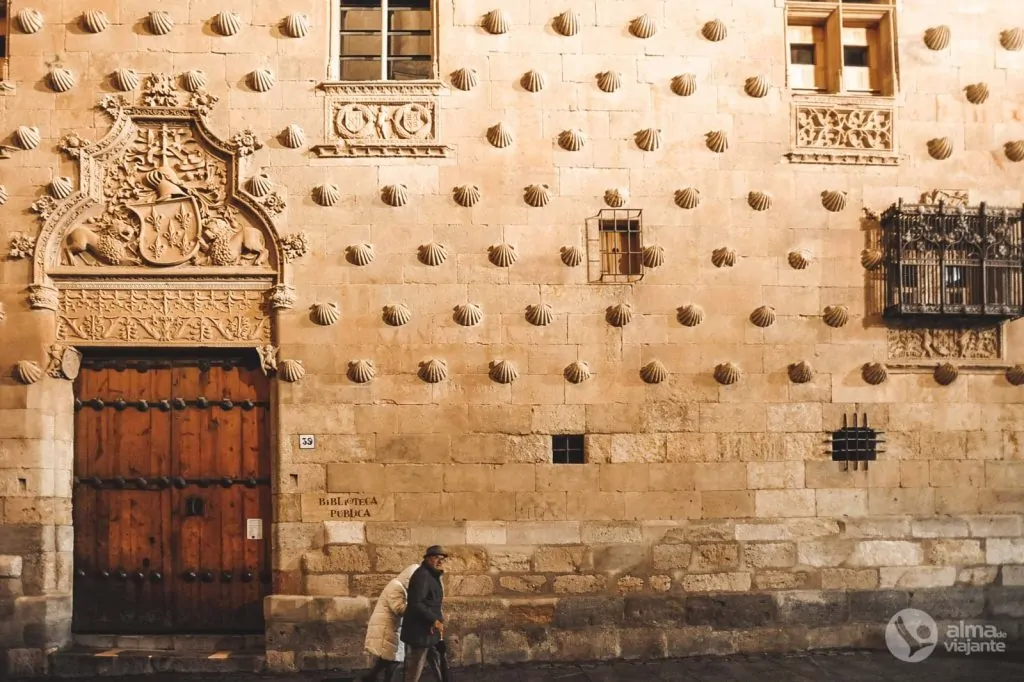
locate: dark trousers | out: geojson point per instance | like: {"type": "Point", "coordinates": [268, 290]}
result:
{"type": "Point", "coordinates": [382, 667]}
{"type": "Point", "coordinates": [416, 659]}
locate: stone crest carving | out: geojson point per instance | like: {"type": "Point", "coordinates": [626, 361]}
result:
{"type": "Point", "coordinates": [160, 245]}
{"type": "Point", "coordinates": [966, 343]}
{"type": "Point", "coordinates": [843, 131]}
{"type": "Point", "coordinates": [382, 119]}
{"type": "Point", "coordinates": [949, 197]}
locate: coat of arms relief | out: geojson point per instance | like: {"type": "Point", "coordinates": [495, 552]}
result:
{"type": "Point", "coordinates": [161, 245]}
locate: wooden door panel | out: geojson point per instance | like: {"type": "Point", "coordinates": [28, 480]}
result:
{"type": "Point", "coordinates": [146, 443]}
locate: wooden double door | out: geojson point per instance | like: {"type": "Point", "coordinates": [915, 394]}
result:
{"type": "Point", "coordinates": [171, 501]}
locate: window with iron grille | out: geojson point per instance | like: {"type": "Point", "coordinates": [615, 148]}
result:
{"type": "Point", "coordinates": [384, 40]}
{"type": "Point", "coordinates": [619, 245]}
{"type": "Point", "coordinates": [5, 31]}
{"type": "Point", "coordinates": [953, 261]}
{"type": "Point", "coordinates": [567, 449]}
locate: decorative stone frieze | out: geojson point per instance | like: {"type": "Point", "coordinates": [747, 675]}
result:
{"type": "Point", "coordinates": [65, 362]}
{"type": "Point", "coordinates": [382, 119]}
{"type": "Point", "coordinates": [838, 130]}
{"type": "Point", "coordinates": [960, 343]}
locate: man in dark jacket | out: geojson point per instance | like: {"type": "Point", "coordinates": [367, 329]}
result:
{"type": "Point", "coordinates": [423, 625]}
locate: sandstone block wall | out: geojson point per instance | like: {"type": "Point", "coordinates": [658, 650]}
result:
{"type": "Point", "coordinates": [690, 488]}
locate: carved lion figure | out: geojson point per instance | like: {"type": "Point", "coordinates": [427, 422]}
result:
{"type": "Point", "coordinates": [107, 247]}
{"type": "Point", "coordinates": [227, 244]}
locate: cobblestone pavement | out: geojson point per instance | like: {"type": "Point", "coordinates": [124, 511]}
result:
{"type": "Point", "coordinates": [843, 666]}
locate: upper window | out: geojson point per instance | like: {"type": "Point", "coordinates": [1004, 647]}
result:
{"type": "Point", "coordinates": [842, 47]}
{"type": "Point", "coordinates": [384, 40]}
{"type": "Point", "coordinates": [5, 30]}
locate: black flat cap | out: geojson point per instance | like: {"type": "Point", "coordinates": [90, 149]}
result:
{"type": "Point", "coordinates": [435, 550]}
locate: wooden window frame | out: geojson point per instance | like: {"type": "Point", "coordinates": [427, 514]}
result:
{"type": "Point", "coordinates": [5, 31]}
{"type": "Point", "coordinates": [568, 449]}
{"type": "Point", "coordinates": [837, 20]}
{"type": "Point", "coordinates": [604, 262]}
{"type": "Point", "coordinates": [335, 45]}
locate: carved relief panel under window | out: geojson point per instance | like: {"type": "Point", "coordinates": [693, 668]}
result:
{"type": "Point", "coordinates": [844, 131]}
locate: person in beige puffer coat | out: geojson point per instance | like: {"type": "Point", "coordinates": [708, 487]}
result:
{"type": "Point", "coordinates": [382, 633]}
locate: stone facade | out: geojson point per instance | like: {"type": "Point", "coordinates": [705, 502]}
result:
{"type": "Point", "coordinates": [412, 342]}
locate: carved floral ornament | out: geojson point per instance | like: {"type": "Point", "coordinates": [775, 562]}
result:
{"type": "Point", "coordinates": [843, 131]}
{"type": "Point", "coordinates": [160, 245]}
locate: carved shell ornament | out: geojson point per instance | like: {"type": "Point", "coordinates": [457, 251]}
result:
{"type": "Point", "coordinates": [465, 79]}
{"type": "Point", "coordinates": [227, 23]}
{"type": "Point", "coordinates": [609, 81]}
{"type": "Point", "coordinates": [396, 314]}
{"type": "Point", "coordinates": [799, 260]}
{"type": "Point", "coordinates": [126, 80]}
{"type": "Point", "coordinates": [326, 195]}
{"type": "Point", "coordinates": [648, 139]}
{"type": "Point", "coordinates": [836, 316]}
{"type": "Point", "coordinates": [940, 148]}
{"type": "Point", "coordinates": [262, 80]}
{"type": "Point", "coordinates": [577, 372]}
{"type": "Point", "coordinates": [643, 26]}
{"type": "Point", "coordinates": [360, 255]}
{"type": "Point", "coordinates": [572, 256]}
{"type": "Point", "coordinates": [540, 314]}
{"type": "Point", "coordinates": [325, 314]}
{"type": "Point", "coordinates": [468, 314]}
{"type": "Point", "coordinates": [28, 372]}
{"type": "Point", "coordinates": [723, 257]}
{"type": "Point", "coordinates": [567, 23]}
{"type": "Point", "coordinates": [537, 196]}
{"type": "Point", "coordinates": [533, 81]}
{"type": "Point", "coordinates": [684, 85]}
{"type": "Point", "coordinates": [763, 317]}
{"type": "Point", "coordinates": [937, 37]}
{"type": "Point", "coordinates": [619, 315]}
{"type": "Point", "coordinates": [717, 141]}
{"type": "Point", "coordinates": [759, 201]}
{"type": "Point", "coordinates": [160, 23]}
{"type": "Point", "coordinates": [497, 22]}
{"type": "Point", "coordinates": [291, 370]}
{"type": "Point", "coordinates": [395, 195]}
{"type": "Point", "coordinates": [30, 20]}
{"type": "Point", "coordinates": [1014, 150]}
{"type": "Point", "coordinates": [977, 93]}
{"type": "Point", "coordinates": [946, 373]}
{"type": "Point", "coordinates": [688, 198]}
{"type": "Point", "coordinates": [833, 200]}
{"type": "Point", "coordinates": [690, 315]}
{"type": "Point", "coordinates": [871, 259]}
{"type": "Point", "coordinates": [293, 136]}
{"type": "Point", "coordinates": [653, 256]}
{"type": "Point", "coordinates": [296, 25]}
{"type": "Point", "coordinates": [95, 21]}
{"type": "Point", "coordinates": [61, 188]}
{"type": "Point", "coordinates": [194, 80]}
{"type": "Point", "coordinates": [433, 254]}
{"type": "Point", "coordinates": [654, 372]}
{"type": "Point", "coordinates": [757, 86]}
{"type": "Point", "coordinates": [433, 371]}
{"type": "Point", "coordinates": [1012, 39]}
{"type": "Point", "coordinates": [572, 140]}
{"type": "Point", "coordinates": [616, 197]}
{"type": "Point", "coordinates": [3, 197]}
{"type": "Point", "coordinates": [502, 255]}
{"type": "Point", "coordinates": [1015, 375]}
{"type": "Point", "coordinates": [361, 371]}
{"type": "Point", "coordinates": [502, 371]}
{"type": "Point", "coordinates": [714, 30]}
{"type": "Point", "coordinates": [61, 79]}
{"type": "Point", "coordinates": [466, 196]}
{"type": "Point", "coordinates": [727, 373]}
{"type": "Point", "coordinates": [800, 372]}
{"type": "Point", "coordinates": [874, 373]}
{"type": "Point", "coordinates": [500, 136]}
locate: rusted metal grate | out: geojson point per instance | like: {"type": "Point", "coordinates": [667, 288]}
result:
{"type": "Point", "coordinates": [568, 449]}
{"type": "Point", "coordinates": [857, 443]}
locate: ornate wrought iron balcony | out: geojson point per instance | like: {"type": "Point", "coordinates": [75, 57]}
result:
{"type": "Point", "coordinates": [954, 262]}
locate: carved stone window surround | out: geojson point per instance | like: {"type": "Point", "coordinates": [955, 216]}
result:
{"type": "Point", "coordinates": [840, 129]}
{"type": "Point", "coordinates": [383, 119]}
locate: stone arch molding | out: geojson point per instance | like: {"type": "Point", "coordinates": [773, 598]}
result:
{"type": "Point", "coordinates": [162, 244]}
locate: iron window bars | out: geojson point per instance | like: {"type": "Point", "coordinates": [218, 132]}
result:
{"type": "Point", "coordinates": [567, 449]}
{"type": "Point", "coordinates": [620, 244]}
{"type": "Point", "coordinates": [953, 261]}
{"type": "Point", "coordinates": [857, 443]}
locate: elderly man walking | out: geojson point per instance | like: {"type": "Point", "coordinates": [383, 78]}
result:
{"type": "Point", "coordinates": [384, 628]}
{"type": "Point", "coordinates": [423, 625]}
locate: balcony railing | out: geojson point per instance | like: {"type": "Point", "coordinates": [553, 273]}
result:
{"type": "Point", "coordinates": [953, 261]}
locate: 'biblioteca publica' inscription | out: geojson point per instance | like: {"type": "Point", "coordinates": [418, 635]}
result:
{"type": "Point", "coordinates": [347, 507]}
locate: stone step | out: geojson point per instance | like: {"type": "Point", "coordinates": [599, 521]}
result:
{"type": "Point", "coordinates": [205, 643]}
{"type": "Point", "coordinates": [100, 662]}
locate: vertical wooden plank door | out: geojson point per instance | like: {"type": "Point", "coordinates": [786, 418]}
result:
{"type": "Point", "coordinates": [172, 480]}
